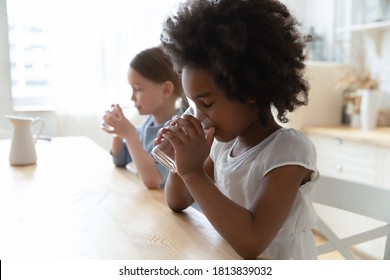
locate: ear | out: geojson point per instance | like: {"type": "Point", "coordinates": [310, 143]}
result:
{"type": "Point", "coordinates": [168, 88]}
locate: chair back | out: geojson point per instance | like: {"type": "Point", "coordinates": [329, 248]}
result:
{"type": "Point", "coordinates": [369, 201]}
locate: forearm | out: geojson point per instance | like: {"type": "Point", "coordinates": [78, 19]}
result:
{"type": "Point", "coordinates": [120, 154]}
{"type": "Point", "coordinates": [233, 222]}
{"type": "Point", "coordinates": [176, 193]}
{"type": "Point", "coordinates": [144, 163]}
{"type": "Point", "coordinates": [116, 146]}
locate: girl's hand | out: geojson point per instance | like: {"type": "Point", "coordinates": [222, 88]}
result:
{"type": "Point", "coordinates": [190, 143]}
{"type": "Point", "coordinates": [117, 123]}
{"type": "Point", "coordinates": [159, 138]}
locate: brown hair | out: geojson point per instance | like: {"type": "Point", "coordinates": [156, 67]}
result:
{"type": "Point", "coordinates": [156, 66]}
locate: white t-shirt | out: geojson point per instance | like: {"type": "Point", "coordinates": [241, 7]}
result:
{"type": "Point", "coordinates": [239, 178]}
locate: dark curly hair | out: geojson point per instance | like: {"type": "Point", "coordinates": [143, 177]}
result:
{"type": "Point", "coordinates": [252, 48]}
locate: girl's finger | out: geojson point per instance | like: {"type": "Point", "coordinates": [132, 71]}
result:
{"type": "Point", "coordinates": [161, 131]}
{"type": "Point", "coordinates": [118, 111]}
{"type": "Point", "coordinates": [191, 126]}
{"type": "Point", "coordinates": [159, 137]}
{"type": "Point", "coordinates": [107, 128]}
{"type": "Point", "coordinates": [157, 141]}
{"type": "Point", "coordinates": [108, 118]}
{"type": "Point", "coordinates": [175, 132]}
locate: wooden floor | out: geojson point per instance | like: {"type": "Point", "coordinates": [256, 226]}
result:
{"type": "Point", "coordinates": [335, 255]}
{"type": "Point", "coordinates": [328, 256]}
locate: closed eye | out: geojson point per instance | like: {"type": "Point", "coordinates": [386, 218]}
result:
{"type": "Point", "coordinates": [207, 105]}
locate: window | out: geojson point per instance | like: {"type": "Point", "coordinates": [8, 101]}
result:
{"type": "Point", "coordinates": [29, 51]}
{"type": "Point", "coordinates": [63, 51]}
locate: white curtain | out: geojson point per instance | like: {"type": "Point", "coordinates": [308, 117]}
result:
{"type": "Point", "coordinates": [92, 44]}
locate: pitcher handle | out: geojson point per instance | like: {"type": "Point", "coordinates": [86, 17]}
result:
{"type": "Point", "coordinates": [41, 122]}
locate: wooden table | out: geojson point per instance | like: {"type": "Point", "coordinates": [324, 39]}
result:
{"type": "Point", "coordinates": [74, 204]}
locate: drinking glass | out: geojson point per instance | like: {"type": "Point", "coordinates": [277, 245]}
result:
{"type": "Point", "coordinates": [164, 152]}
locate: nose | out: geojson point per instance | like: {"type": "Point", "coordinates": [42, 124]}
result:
{"type": "Point", "coordinates": [132, 96]}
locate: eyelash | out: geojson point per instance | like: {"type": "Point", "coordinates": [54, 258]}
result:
{"type": "Point", "coordinates": [206, 105]}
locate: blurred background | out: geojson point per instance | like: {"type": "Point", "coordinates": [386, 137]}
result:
{"type": "Point", "coordinates": [66, 61]}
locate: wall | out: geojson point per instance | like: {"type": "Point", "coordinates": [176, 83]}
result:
{"type": "Point", "coordinates": [325, 16]}
{"type": "Point", "coordinates": [5, 79]}
{"type": "Point", "coordinates": [306, 11]}
{"type": "Point", "coordinates": [101, 67]}
{"type": "Point", "coordinates": [325, 101]}
{"type": "Point", "coordinates": [380, 63]}
{"type": "Point", "coordinates": [318, 14]}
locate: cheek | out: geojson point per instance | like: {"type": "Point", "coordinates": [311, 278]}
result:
{"type": "Point", "coordinates": [230, 117]}
{"type": "Point", "coordinates": [225, 125]}
{"type": "Point", "coordinates": [151, 100]}
{"type": "Point", "coordinates": [143, 97]}
{"type": "Point", "coordinates": [230, 125]}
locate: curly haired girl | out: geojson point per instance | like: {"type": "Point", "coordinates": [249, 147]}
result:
{"type": "Point", "coordinates": [252, 178]}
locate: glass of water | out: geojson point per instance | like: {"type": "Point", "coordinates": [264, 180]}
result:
{"type": "Point", "coordinates": [164, 152]}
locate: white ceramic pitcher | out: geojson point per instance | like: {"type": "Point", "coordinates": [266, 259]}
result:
{"type": "Point", "coordinates": [23, 143]}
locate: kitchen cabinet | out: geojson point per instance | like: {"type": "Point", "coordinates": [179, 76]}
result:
{"type": "Point", "coordinates": [353, 155]}
{"type": "Point", "coordinates": [348, 160]}
{"type": "Point", "coordinates": [380, 26]}
{"type": "Point", "coordinates": [385, 164]}
{"type": "Point", "coordinates": [374, 30]}
{"type": "Point", "coordinates": [364, 17]}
